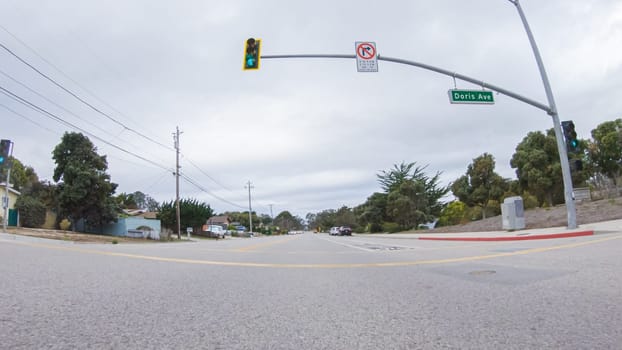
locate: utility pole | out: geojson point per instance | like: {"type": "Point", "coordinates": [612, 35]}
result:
{"type": "Point", "coordinates": [9, 165]}
{"type": "Point", "coordinates": [250, 209]}
{"type": "Point", "coordinates": [271, 215]}
{"type": "Point", "coordinates": [177, 167]}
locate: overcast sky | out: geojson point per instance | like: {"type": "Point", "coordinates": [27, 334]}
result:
{"type": "Point", "coordinates": [310, 134]}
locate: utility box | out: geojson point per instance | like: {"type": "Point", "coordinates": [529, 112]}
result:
{"type": "Point", "coordinates": [513, 213]}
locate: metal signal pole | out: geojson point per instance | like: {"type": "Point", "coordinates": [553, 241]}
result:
{"type": "Point", "coordinates": [561, 147]}
{"type": "Point", "coordinates": [5, 199]}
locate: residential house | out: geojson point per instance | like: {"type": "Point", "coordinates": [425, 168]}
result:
{"type": "Point", "coordinates": [221, 220]}
{"type": "Point", "coordinates": [12, 198]}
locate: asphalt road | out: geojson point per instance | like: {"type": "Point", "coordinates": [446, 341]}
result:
{"type": "Point", "coordinates": [312, 291]}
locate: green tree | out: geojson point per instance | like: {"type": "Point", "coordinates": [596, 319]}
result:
{"type": "Point", "coordinates": [243, 219]}
{"type": "Point", "coordinates": [373, 212]}
{"type": "Point", "coordinates": [606, 149]}
{"type": "Point", "coordinates": [481, 184]}
{"type": "Point", "coordinates": [85, 191]}
{"type": "Point", "coordinates": [126, 201]}
{"type": "Point", "coordinates": [538, 167]}
{"type": "Point", "coordinates": [413, 197]}
{"type": "Point", "coordinates": [322, 220]}
{"type": "Point", "coordinates": [287, 222]}
{"type": "Point", "coordinates": [21, 176]}
{"type": "Point", "coordinates": [393, 178]}
{"type": "Point", "coordinates": [192, 214]}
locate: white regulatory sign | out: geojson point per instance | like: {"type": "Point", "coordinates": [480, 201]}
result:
{"type": "Point", "coordinates": [366, 56]}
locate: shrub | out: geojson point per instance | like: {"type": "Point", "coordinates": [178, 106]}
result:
{"type": "Point", "coordinates": [65, 224]}
{"type": "Point", "coordinates": [453, 214]}
{"type": "Point", "coordinates": [391, 227]}
{"type": "Point", "coordinates": [529, 201]}
{"type": "Point", "coordinates": [31, 211]}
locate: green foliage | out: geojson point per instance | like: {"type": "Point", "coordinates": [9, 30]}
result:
{"type": "Point", "coordinates": [243, 219]}
{"type": "Point", "coordinates": [192, 214]}
{"type": "Point", "coordinates": [453, 214]}
{"type": "Point", "coordinates": [85, 191]}
{"type": "Point", "coordinates": [391, 227]}
{"type": "Point", "coordinates": [326, 219]}
{"type": "Point", "coordinates": [413, 198]}
{"type": "Point", "coordinates": [375, 228]}
{"type": "Point", "coordinates": [373, 212]}
{"type": "Point", "coordinates": [323, 220]}
{"type": "Point", "coordinates": [538, 167]}
{"type": "Point", "coordinates": [392, 179]}
{"type": "Point", "coordinates": [606, 150]}
{"type": "Point", "coordinates": [529, 201]}
{"type": "Point", "coordinates": [480, 185]}
{"type": "Point", "coordinates": [22, 177]}
{"type": "Point", "coordinates": [287, 222]}
{"type": "Point", "coordinates": [31, 211]}
{"type": "Point", "coordinates": [137, 200]}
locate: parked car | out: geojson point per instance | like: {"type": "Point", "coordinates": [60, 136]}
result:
{"type": "Point", "coordinates": [215, 231]}
{"type": "Point", "coordinates": [345, 231]}
{"type": "Point", "coordinates": [333, 231]}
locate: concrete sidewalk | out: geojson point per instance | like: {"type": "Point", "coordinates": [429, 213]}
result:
{"type": "Point", "coordinates": [614, 226]}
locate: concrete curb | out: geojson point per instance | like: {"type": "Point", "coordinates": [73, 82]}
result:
{"type": "Point", "coordinates": [511, 238]}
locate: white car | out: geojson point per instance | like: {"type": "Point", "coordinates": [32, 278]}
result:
{"type": "Point", "coordinates": [334, 231]}
{"type": "Point", "coordinates": [215, 231]}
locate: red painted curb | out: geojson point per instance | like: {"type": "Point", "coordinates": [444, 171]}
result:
{"type": "Point", "coordinates": [512, 238]}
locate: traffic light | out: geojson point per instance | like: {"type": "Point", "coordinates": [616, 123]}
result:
{"type": "Point", "coordinates": [5, 148]}
{"type": "Point", "coordinates": [252, 52]}
{"type": "Point", "coordinates": [572, 143]}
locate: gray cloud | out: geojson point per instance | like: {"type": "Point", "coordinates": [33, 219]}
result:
{"type": "Point", "coordinates": [309, 133]}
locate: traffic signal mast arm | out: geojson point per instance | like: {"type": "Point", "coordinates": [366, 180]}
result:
{"type": "Point", "coordinates": [459, 76]}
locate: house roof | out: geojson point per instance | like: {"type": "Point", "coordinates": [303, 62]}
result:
{"type": "Point", "coordinates": [141, 213]}
{"type": "Point", "coordinates": [220, 219]}
{"type": "Point", "coordinates": [3, 186]}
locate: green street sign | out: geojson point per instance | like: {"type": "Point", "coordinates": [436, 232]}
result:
{"type": "Point", "coordinates": [471, 97]}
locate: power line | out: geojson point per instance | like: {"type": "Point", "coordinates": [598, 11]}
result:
{"type": "Point", "coordinates": [206, 174]}
{"type": "Point", "coordinates": [60, 71]}
{"type": "Point", "coordinates": [195, 184]}
{"type": "Point", "coordinates": [79, 98]}
{"type": "Point", "coordinates": [61, 120]}
{"type": "Point", "coordinates": [60, 106]}
{"type": "Point", "coordinates": [54, 103]}
{"type": "Point", "coordinates": [27, 118]}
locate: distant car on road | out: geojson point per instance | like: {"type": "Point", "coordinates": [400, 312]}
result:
{"type": "Point", "coordinates": [215, 231]}
{"type": "Point", "coordinates": [333, 231]}
{"type": "Point", "coordinates": [345, 231]}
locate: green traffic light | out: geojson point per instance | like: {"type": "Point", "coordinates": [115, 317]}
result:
{"type": "Point", "coordinates": [252, 54]}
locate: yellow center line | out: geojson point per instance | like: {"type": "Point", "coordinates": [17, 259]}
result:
{"type": "Point", "coordinates": [318, 266]}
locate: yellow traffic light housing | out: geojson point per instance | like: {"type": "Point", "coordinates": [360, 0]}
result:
{"type": "Point", "coordinates": [252, 54]}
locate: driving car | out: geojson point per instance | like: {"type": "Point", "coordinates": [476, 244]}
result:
{"type": "Point", "coordinates": [333, 231]}
{"type": "Point", "coordinates": [345, 231]}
